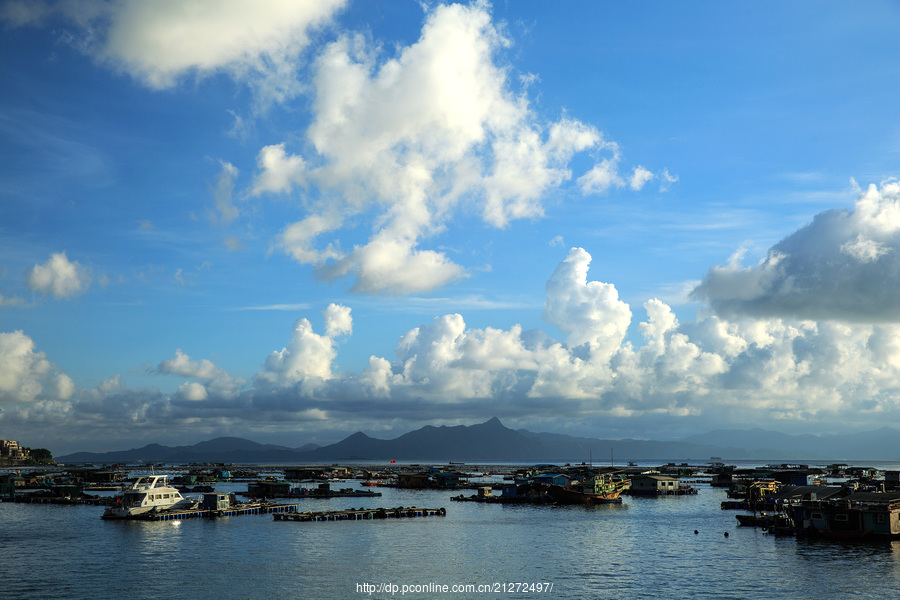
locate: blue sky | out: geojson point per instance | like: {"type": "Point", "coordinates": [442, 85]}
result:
{"type": "Point", "coordinates": [291, 221]}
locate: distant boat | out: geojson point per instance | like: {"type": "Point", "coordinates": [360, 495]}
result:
{"type": "Point", "coordinates": [148, 494]}
{"type": "Point", "coordinates": [598, 489]}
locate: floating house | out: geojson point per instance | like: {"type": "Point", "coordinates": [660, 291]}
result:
{"type": "Point", "coordinates": [552, 479]}
{"type": "Point", "coordinates": [414, 480]}
{"type": "Point", "coordinates": [303, 473]}
{"type": "Point", "coordinates": [268, 489]}
{"type": "Point", "coordinates": [9, 482]}
{"type": "Point", "coordinates": [797, 476]}
{"type": "Point", "coordinates": [658, 485]}
{"type": "Point", "coordinates": [98, 476]}
{"type": "Point", "coordinates": [859, 515]}
{"type": "Point", "coordinates": [434, 478]}
{"type": "Point", "coordinates": [797, 494]}
{"type": "Point", "coordinates": [216, 501]}
{"type": "Point", "coordinates": [446, 479]}
{"type": "Point", "coordinates": [862, 472]}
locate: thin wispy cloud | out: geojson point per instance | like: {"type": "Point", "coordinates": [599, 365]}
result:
{"type": "Point", "coordinates": [285, 307]}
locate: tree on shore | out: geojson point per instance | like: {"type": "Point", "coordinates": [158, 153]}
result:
{"type": "Point", "coordinates": [41, 456]}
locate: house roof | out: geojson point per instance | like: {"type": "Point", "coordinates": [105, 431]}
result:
{"type": "Point", "coordinates": [875, 497]}
{"type": "Point", "coordinates": [805, 492]}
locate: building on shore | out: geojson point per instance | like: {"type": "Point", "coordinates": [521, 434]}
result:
{"type": "Point", "coordinates": [11, 451]}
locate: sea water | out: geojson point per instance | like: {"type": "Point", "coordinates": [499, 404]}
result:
{"type": "Point", "coordinates": [644, 547]}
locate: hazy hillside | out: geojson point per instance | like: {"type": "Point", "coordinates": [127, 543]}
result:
{"type": "Point", "coordinates": [492, 441]}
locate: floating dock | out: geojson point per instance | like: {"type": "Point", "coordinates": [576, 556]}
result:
{"type": "Point", "coordinates": [485, 499]}
{"type": "Point", "coordinates": [361, 514]}
{"type": "Point", "coordinates": [86, 501]}
{"type": "Point", "coordinates": [249, 509]}
{"type": "Point", "coordinates": [685, 491]}
{"type": "Point", "coordinates": [316, 495]}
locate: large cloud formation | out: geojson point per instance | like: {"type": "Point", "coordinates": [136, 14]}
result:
{"type": "Point", "coordinates": [712, 371]}
{"type": "Point", "coordinates": [413, 140]}
{"type": "Point", "coordinates": [844, 265]}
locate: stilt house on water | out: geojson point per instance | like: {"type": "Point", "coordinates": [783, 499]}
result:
{"type": "Point", "coordinates": [859, 515]}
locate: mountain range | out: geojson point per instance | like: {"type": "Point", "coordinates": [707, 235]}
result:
{"type": "Point", "coordinates": [491, 441]}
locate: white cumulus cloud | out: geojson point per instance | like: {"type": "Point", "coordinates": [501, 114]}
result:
{"type": "Point", "coordinates": [192, 391]}
{"type": "Point", "coordinates": [212, 379]}
{"type": "Point", "coordinates": [639, 177]}
{"type": "Point", "coordinates": [59, 277]}
{"type": "Point", "coordinates": [590, 312]}
{"type": "Point", "coordinates": [713, 370]}
{"type": "Point", "coordinates": [181, 364]}
{"type": "Point", "coordinates": [842, 266]}
{"type": "Point", "coordinates": [414, 139]}
{"type": "Point", "coordinates": [162, 42]}
{"type": "Point", "coordinates": [278, 172]}
{"type": "Point", "coordinates": [308, 359]}
{"type": "Point", "coordinates": [26, 375]}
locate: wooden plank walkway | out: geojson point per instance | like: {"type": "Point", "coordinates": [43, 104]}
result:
{"type": "Point", "coordinates": [362, 514]}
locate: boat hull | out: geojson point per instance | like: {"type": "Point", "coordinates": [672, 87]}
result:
{"type": "Point", "coordinates": [563, 495]}
{"type": "Point", "coordinates": [115, 512]}
{"type": "Point", "coordinates": [125, 513]}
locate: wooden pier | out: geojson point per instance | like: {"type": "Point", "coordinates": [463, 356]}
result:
{"type": "Point", "coordinates": [361, 514]}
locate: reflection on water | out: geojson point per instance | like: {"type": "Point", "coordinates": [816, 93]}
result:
{"type": "Point", "coordinates": [646, 546]}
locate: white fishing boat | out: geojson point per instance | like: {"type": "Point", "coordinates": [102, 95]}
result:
{"type": "Point", "coordinates": [148, 494]}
